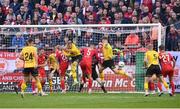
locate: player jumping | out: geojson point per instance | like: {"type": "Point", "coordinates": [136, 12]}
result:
{"type": "Point", "coordinates": [74, 53]}
{"type": "Point", "coordinates": [86, 65]}
{"type": "Point", "coordinates": [53, 66]}
{"type": "Point", "coordinates": [108, 60]}
{"type": "Point", "coordinates": [90, 56]}
{"type": "Point", "coordinates": [63, 66]}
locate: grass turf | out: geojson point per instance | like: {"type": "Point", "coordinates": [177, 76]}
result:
{"type": "Point", "coordinates": [97, 100]}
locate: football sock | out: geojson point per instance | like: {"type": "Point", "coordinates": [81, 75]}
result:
{"type": "Point", "coordinates": [50, 84]}
{"type": "Point", "coordinates": [159, 86]}
{"type": "Point", "coordinates": [146, 86]}
{"type": "Point", "coordinates": [33, 86]}
{"type": "Point", "coordinates": [173, 87]}
{"type": "Point", "coordinates": [103, 88]}
{"type": "Point", "coordinates": [151, 86]}
{"type": "Point", "coordinates": [101, 75]}
{"type": "Point", "coordinates": [81, 87]}
{"type": "Point", "coordinates": [20, 83]}
{"type": "Point", "coordinates": [89, 83]}
{"type": "Point", "coordinates": [42, 83]}
{"type": "Point", "coordinates": [38, 83]}
{"type": "Point", "coordinates": [165, 84]}
{"type": "Point", "coordinates": [73, 70]}
{"type": "Point", "coordinates": [62, 84]}
{"type": "Point", "coordinates": [23, 87]}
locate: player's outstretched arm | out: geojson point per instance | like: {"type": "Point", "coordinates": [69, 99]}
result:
{"type": "Point", "coordinates": [174, 62]}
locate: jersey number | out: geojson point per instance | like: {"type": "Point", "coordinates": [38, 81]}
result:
{"type": "Point", "coordinates": [64, 58]}
{"type": "Point", "coordinates": [165, 58]}
{"type": "Point", "coordinates": [88, 52]}
{"type": "Point", "coordinates": [155, 57]}
{"type": "Point", "coordinates": [28, 56]}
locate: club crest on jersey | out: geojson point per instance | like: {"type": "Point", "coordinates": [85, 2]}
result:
{"type": "Point", "coordinates": [3, 65]}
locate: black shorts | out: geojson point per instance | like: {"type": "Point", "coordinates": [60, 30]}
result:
{"type": "Point", "coordinates": [56, 71]}
{"type": "Point", "coordinates": [109, 63]}
{"type": "Point", "coordinates": [94, 72]}
{"type": "Point", "coordinates": [153, 69]}
{"type": "Point", "coordinates": [33, 71]}
{"type": "Point", "coordinates": [76, 58]}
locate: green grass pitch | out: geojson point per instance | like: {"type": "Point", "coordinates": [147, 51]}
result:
{"type": "Point", "coordinates": [83, 100]}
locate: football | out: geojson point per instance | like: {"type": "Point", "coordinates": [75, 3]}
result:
{"type": "Point", "coordinates": [121, 64]}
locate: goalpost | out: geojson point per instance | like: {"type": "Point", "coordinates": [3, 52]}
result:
{"type": "Point", "coordinates": [13, 38]}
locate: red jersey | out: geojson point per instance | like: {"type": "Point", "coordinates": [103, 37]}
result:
{"type": "Point", "coordinates": [88, 54]}
{"type": "Point", "coordinates": [166, 61]}
{"type": "Point", "coordinates": [61, 57]}
{"type": "Point", "coordinates": [63, 60]}
{"type": "Point", "coordinates": [41, 59]}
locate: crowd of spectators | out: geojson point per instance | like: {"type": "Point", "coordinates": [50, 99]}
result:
{"type": "Point", "coordinates": [57, 12]}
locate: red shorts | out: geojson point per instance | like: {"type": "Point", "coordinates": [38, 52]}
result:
{"type": "Point", "coordinates": [168, 72]}
{"type": "Point", "coordinates": [62, 69]}
{"type": "Point", "coordinates": [42, 72]}
{"type": "Point", "coordinates": [86, 67]}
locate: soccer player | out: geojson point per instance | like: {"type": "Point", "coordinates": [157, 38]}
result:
{"type": "Point", "coordinates": [151, 62]}
{"type": "Point", "coordinates": [63, 66]}
{"type": "Point", "coordinates": [108, 60]}
{"type": "Point", "coordinates": [29, 55]}
{"type": "Point", "coordinates": [86, 64]}
{"type": "Point", "coordinates": [167, 67]}
{"type": "Point", "coordinates": [19, 67]}
{"type": "Point", "coordinates": [74, 53]}
{"type": "Point", "coordinates": [53, 66]}
{"type": "Point", "coordinates": [96, 77]}
{"type": "Point", "coordinates": [42, 61]}
{"type": "Point", "coordinates": [90, 56]}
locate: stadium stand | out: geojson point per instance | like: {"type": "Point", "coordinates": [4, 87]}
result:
{"type": "Point", "coordinates": [56, 12]}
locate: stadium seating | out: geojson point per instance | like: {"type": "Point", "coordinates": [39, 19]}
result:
{"type": "Point", "coordinates": [55, 12]}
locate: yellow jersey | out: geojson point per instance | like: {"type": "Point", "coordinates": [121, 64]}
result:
{"type": "Point", "coordinates": [73, 51]}
{"type": "Point", "coordinates": [107, 52]}
{"type": "Point", "coordinates": [53, 61]}
{"type": "Point", "coordinates": [151, 57]}
{"type": "Point", "coordinates": [29, 54]}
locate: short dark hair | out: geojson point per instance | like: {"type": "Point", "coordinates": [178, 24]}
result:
{"type": "Point", "coordinates": [30, 40]}
{"type": "Point", "coordinates": [106, 1]}
{"type": "Point", "coordinates": [105, 38]}
{"type": "Point", "coordinates": [162, 47]}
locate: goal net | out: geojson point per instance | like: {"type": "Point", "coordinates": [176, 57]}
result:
{"type": "Point", "coordinates": [128, 42]}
